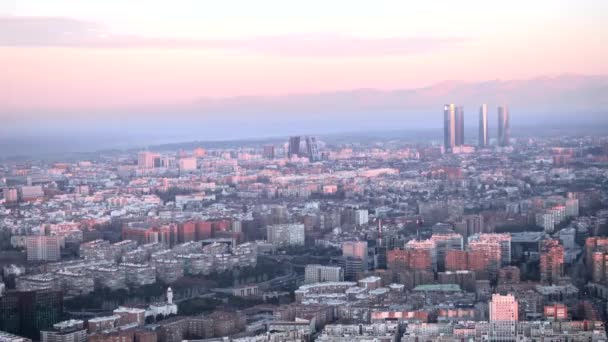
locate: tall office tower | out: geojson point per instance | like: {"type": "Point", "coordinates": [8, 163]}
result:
{"type": "Point", "coordinates": [43, 248]}
{"type": "Point", "coordinates": [551, 261]}
{"type": "Point", "coordinates": [449, 126]}
{"type": "Point", "coordinates": [483, 125]}
{"type": "Point", "coordinates": [268, 152]}
{"type": "Point", "coordinates": [312, 149]}
{"type": "Point", "coordinates": [459, 126]}
{"type": "Point", "coordinates": [503, 308]}
{"type": "Point", "coordinates": [321, 274]}
{"type": "Point", "coordinates": [294, 146]}
{"type": "Point", "coordinates": [504, 126]}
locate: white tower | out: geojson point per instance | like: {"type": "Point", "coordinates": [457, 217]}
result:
{"type": "Point", "coordinates": [169, 295]}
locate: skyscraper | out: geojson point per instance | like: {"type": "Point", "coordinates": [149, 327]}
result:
{"type": "Point", "coordinates": [294, 146]}
{"type": "Point", "coordinates": [459, 126]}
{"type": "Point", "coordinates": [449, 126]}
{"type": "Point", "coordinates": [504, 128]}
{"type": "Point", "coordinates": [312, 149]}
{"type": "Point", "coordinates": [483, 125]}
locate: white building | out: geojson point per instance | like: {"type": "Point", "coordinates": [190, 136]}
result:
{"type": "Point", "coordinates": [285, 234]}
{"type": "Point", "coordinates": [546, 221]}
{"type": "Point", "coordinates": [319, 274]}
{"type": "Point", "coordinates": [361, 217]}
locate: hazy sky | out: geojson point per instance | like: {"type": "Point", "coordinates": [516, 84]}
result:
{"type": "Point", "coordinates": [78, 54]}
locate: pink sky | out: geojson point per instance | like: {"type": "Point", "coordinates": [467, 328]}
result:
{"type": "Point", "coordinates": [64, 55]}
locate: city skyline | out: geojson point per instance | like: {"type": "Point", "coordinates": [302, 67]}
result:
{"type": "Point", "coordinates": [265, 171]}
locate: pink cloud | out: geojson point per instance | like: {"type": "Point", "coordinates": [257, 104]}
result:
{"type": "Point", "coordinates": [66, 32]}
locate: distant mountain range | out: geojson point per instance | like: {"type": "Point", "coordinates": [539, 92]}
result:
{"type": "Point", "coordinates": [560, 95]}
{"type": "Point", "coordinates": [572, 102]}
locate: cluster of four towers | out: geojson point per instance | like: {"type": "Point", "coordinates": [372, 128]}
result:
{"type": "Point", "coordinates": [453, 125]}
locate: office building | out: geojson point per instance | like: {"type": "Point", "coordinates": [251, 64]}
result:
{"type": "Point", "coordinates": [449, 127]}
{"type": "Point", "coordinates": [355, 249]}
{"type": "Point", "coordinates": [67, 331]}
{"type": "Point", "coordinates": [43, 248]}
{"type": "Point", "coordinates": [459, 126]}
{"type": "Point", "coordinates": [470, 225]}
{"type": "Point", "coordinates": [483, 125]}
{"type": "Point", "coordinates": [285, 234]}
{"type": "Point", "coordinates": [294, 147]}
{"type": "Point", "coordinates": [148, 160]}
{"type": "Point", "coordinates": [320, 274]}
{"type": "Point", "coordinates": [445, 242]}
{"type": "Point", "coordinates": [312, 149]}
{"type": "Point", "coordinates": [39, 310]}
{"type": "Point", "coordinates": [504, 126]}
{"type": "Point", "coordinates": [7, 337]}
{"type": "Point", "coordinates": [268, 152]}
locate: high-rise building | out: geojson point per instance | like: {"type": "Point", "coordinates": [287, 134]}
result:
{"type": "Point", "coordinates": [43, 248]}
{"type": "Point", "coordinates": [504, 314]}
{"type": "Point", "coordinates": [294, 146]}
{"type": "Point", "coordinates": [503, 239]}
{"type": "Point", "coordinates": [355, 249]}
{"type": "Point", "coordinates": [148, 160]}
{"type": "Point", "coordinates": [444, 243]}
{"type": "Point", "coordinates": [551, 261]}
{"type": "Point", "coordinates": [459, 126]}
{"type": "Point", "coordinates": [268, 152]}
{"type": "Point", "coordinates": [285, 234]}
{"type": "Point", "coordinates": [503, 308]}
{"type": "Point", "coordinates": [485, 255]}
{"type": "Point", "coordinates": [504, 126]}
{"type": "Point", "coordinates": [470, 225]}
{"type": "Point", "coordinates": [39, 310]}
{"type": "Point", "coordinates": [67, 331]}
{"type": "Point", "coordinates": [483, 125]}
{"type": "Point", "coordinates": [409, 259]}
{"type": "Point", "coordinates": [426, 245]}
{"type": "Point", "coordinates": [449, 126]}
{"type": "Point", "coordinates": [312, 149]}
{"type": "Point", "coordinates": [319, 274]}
